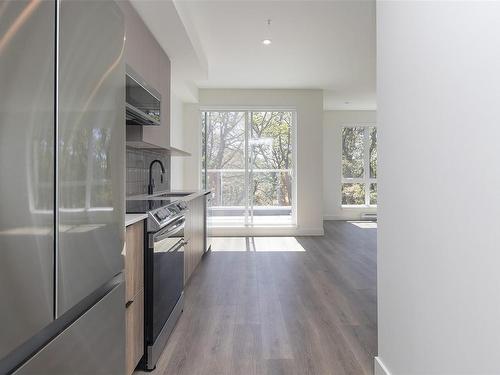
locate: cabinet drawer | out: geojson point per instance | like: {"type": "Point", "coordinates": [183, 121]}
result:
{"type": "Point", "coordinates": [134, 332]}
{"type": "Point", "coordinates": [134, 260]}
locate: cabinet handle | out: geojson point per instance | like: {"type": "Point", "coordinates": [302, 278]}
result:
{"type": "Point", "coordinates": [128, 303]}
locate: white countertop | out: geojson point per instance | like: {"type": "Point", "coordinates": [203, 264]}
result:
{"type": "Point", "coordinates": [134, 218]}
{"type": "Point", "coordinates": [185, 195]}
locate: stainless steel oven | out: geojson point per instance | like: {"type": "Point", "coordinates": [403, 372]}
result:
{"type": "Point", "coordinates": [164, 278]}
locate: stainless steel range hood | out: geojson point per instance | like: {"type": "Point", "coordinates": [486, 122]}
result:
{"type": "Point", "coordinates": [143, 102]}
{"type": "Point", "coordinates": [145, 129]}
{"type": "Point", "coordinates": [135, 116]}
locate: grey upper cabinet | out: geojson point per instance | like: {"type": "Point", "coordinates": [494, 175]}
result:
{"type": "Point", "coordinates": [26, 169]}
{"type": "Point", "coordinates": [91, 148]}
{"type": "Point", "coordinates": [146, 57]}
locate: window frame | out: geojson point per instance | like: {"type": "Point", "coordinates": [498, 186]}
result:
{"type": "Point", "coordinates": [248, 110]}
{"type": "Point", "coordinates": [366, 179]}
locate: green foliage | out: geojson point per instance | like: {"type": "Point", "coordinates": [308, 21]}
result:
{"type": "Point", "coordinates": [373, 152]}
{"type": "Point", "coordinates": [355, 141]}
{"type": "Point", "coordinates": [373, 193]}
{"type": "Point", "coordinates": [352, 152]}
{"type": "Point", "coordinates": [353, 194]}
{"type": "Point", "coordinates": [225, 140]}
{"type": "Point", "coordinates": [269, 147]}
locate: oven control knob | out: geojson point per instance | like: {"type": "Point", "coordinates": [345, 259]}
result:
{"type": "Point", "coordinates": [162, 214]}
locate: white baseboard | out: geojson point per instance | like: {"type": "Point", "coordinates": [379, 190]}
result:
{"type": "Point", "coordinates": [348, 213]}
{"type": "Point", "coordinates": [310, 232]}
{"type": "Point", "coordinates": [354, 215]}
{"type": "Point", "coordinates": [333, 217]}
{"type": "Point", "coordinates": [266, 231]}
{"type": "Point", "coordinates": [380, 368]}
{"type": "Point", "coordinates": [344, 218]}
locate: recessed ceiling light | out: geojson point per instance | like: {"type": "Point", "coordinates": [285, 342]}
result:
{"type": "Point", "coordinates": [267, 41]}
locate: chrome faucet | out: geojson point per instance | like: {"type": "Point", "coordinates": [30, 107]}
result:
{"type": "Point", "coordinates": [151, 185]}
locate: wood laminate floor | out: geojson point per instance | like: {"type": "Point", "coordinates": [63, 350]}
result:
{"type": "Point", "coordinates": [292, 305]}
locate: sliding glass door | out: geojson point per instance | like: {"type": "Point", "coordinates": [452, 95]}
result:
{"type": "Point", "coordinates": [224, 163]}
{"type": "Point", "coordinates": [270, 167]}
{"type": "Point", "coordinates": [248, 164]}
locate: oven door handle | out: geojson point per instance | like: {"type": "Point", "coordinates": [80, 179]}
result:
{"type": "Point", "coordinates": [172, 249]}
{"type": "Point", "coordinates": [168, 232]}
{"type": "Point", "coordinates": [178, 245]}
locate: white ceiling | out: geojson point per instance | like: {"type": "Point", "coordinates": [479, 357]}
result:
{"type": "Point", "coordinates": [327, 45]}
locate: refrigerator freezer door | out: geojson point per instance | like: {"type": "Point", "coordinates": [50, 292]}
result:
{"type": "Point", "coordinates": [27, 72]}
{"type": "Point", "coordinates": [94, 344]}
{"type": "Point", "coordinates": [91, 148]}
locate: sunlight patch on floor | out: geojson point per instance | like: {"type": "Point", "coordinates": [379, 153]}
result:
{"type": "Point", "coordinates": [229, 243]}
{"type": "Point", "coordinates": [256, 244]}
{"type": "Point", "coordinates": [364, 224]}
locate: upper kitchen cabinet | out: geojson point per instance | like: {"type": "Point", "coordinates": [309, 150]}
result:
{"type": "Point", "coordinates": [146, 58]}
{"type": "Point", "coordinates": [135, 33]}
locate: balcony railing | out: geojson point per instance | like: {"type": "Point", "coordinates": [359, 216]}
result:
{"type": "Point", "coordinates": [269, 192]}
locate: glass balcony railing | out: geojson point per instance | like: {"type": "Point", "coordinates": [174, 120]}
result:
{"type": "Point", "coordinates": [269, 193]}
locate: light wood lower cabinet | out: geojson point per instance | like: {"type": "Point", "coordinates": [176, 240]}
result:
{"type": "Point", "coordinates": [134, 295]}
{"type": "Point", "coordinates": [134, 260]}
{"type": "Point", "coordinates": [134, 332]}
{"type": "Point", "coordinates": [194, 234]}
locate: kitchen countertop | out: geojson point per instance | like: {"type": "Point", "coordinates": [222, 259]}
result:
{"type": "Point", "coordinates": [190, 195]}
{"type": "Point", "coordinates": [134, 218]}
{"type": "Point", "coordinates": [193, 195]}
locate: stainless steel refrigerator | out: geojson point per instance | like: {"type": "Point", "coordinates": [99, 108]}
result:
{"type": "Point", "coordinates": [62, 154]}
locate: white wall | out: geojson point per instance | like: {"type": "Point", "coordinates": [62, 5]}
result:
{"type": "Point", "coordinates": [176, 140]}
{"type": "Point", "coordinates": [309, 107]}
{"type": "Point", "coordinates": [332, 162]}
{"type": "Point", "coordinates": [192, 144]}
{"type": "Point", "coordinates": [438, 113]}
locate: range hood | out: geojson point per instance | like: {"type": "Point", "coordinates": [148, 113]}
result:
{"type": "Point", "coordinates": [137, 138]}
{"type": "Point", "coordinates": [143, 102]}
{"type": "Point", "coordinates": [145, 130]}
{"type": "Point", "coordinates": [135, 116]}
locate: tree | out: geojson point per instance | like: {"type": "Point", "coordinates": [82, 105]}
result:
{"type": "Point", "coordinates": [269, 148]}
{"type": "Point", "coordinates": [272, 188]}
{"type": "Point", "coordinates": [224, 145]}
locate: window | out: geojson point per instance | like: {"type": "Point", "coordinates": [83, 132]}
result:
{"type": "Point", "coordinates": [359, 166]}
{"type": "Point", "coordinates": [247, 162]}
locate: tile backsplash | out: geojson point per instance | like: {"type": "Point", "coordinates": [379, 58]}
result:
{"type": "Point", "coordinates": [138, 161]}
